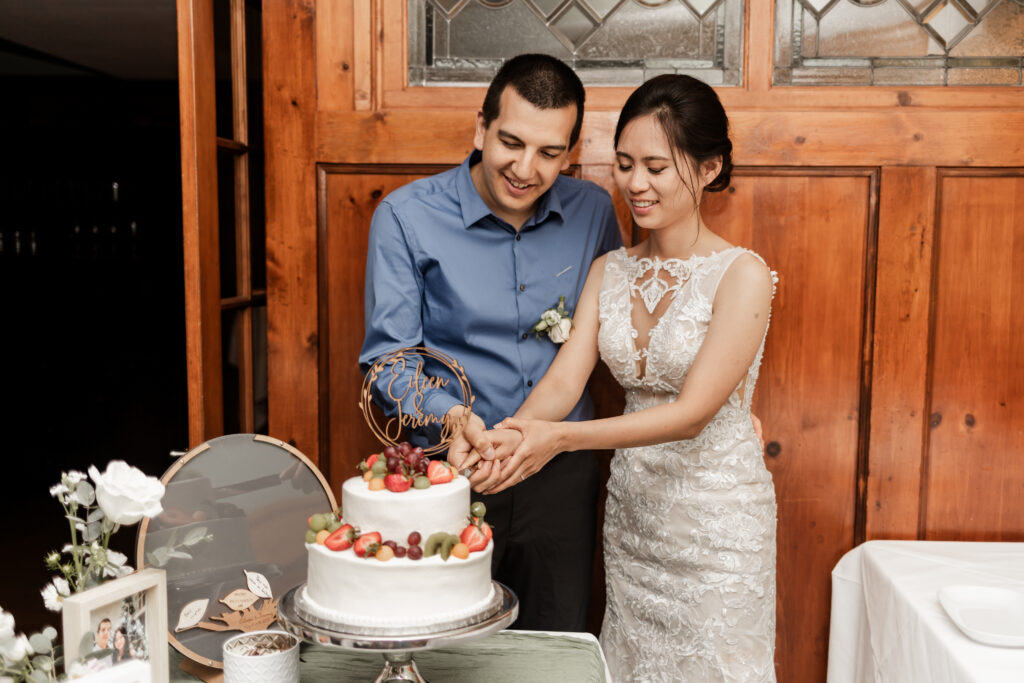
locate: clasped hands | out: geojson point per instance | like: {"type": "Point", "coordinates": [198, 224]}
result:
{"type": "Point", "coordinates": [504, 455]}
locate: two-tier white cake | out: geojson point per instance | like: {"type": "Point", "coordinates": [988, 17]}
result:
{"type": "Point", "coordinates": [360, 590]}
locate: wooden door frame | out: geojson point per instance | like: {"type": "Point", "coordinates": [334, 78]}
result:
{"type": "Point", "coordinates": [197, 100]}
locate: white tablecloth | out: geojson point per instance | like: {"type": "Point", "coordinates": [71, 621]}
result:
{"type": "Point", "coordinates": [887, 624]}
{"type": "Point", "coordinates": [582, 636]}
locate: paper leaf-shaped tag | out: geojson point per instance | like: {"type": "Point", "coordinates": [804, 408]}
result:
{"type": "Point", "coordinates": [191, 614]}
{"type": "Point", "coordinates": [258, 584]}
{"type": "Point", "coordinates": [239, 599]}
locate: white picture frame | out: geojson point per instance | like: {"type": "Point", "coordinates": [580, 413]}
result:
{"type": "Point", "coordinates": [143, 596]}
{"type": "Point", "coordinates": [136, 671]}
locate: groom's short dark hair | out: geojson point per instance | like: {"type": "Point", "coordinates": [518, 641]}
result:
{"type": "Point", "coordinates": [543, 81]}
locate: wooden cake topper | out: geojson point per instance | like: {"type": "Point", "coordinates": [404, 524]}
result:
{"type": "Point", "coordinates": [401, 378]}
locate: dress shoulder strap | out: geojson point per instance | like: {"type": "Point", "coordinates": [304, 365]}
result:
{"type": "Point", "coordinates": [728, 257]}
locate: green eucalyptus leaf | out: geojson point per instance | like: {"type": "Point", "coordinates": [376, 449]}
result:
{"type": "Point", "coordinates": [159, 557]}
{"type": "Point", "coordinates": [95, 516]}
{"type": "Point", "coordinates": [85, 493]}
{"type": "Point", "coordinates": [194, 536]}
{"type": "Point", "coordinates": [40, 643]}
{"type": "Point", "coordinates": [44, 662]}
{"type": "Point", "coordinates": [87, 642]}
{"type": "Point", "coordinates": [92, 532]}
{"type": "Point", "coordinates": [40, 676]}
{"type": "Point", "coordinates": [51, 633]}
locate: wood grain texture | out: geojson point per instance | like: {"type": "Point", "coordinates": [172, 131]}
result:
{"type": "Point", "coordinates": [289, 103]}
{"type": "Point", "coordinates": [907, 137]}
{"type": "Point", "coordinates": [811, 227]}
{"type": "Point", "coordinates": [336, 67]}
{"type": "Point", "coordinates": [974, 479]}
{"type": "Point", "coordinates": [899, 411]}
{"type": "Point", "coordinates": [200, 220]}
{"type": "Point", "coordinates": [350, 196]}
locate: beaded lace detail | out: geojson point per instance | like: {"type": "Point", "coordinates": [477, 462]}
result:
{"type": "Point", "coordinates": [689, 536]}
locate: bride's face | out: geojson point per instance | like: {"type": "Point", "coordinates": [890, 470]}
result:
{"type": "Point", "coordinates": [648, 176]}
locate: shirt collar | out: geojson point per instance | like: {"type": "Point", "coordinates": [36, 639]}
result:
{"type": "Point", "coordinates": [474, 209]}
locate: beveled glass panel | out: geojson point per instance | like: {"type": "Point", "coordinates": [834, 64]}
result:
{"type": "Point", "coordinates": [816, 39]}
{"type": "Point", "coordinates": [547, 7]}
{"type": "Point", "coordinates": [608, 42]}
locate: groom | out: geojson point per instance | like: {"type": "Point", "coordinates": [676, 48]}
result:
{"type": "Point", "coordinates": [466, 262]}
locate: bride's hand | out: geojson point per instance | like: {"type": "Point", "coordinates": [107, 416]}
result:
{"type": "Point", "coordinates": [504, 442]}
{"type": "Point", "coordinates": [539, 444]}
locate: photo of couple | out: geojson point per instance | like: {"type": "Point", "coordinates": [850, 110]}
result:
{"type": "Point", "coordinates": [119, 634]}
{"type": "Point", "coordinates": [473, 262]}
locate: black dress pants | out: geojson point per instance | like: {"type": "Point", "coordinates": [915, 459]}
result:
{"type": "Point", "coordinates": [544, 531]}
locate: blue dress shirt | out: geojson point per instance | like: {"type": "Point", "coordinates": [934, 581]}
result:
{"type": "Point", "coordinates": [444, 272]}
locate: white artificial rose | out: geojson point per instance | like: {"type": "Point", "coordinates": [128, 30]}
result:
{"type": "Point", "coordinates": [15, 649]}
{"type": "Point", "coordinates": [125, 494]}
{"type": "Point", "coordinates": [550, 317]}
{"type": "Point", "coordinates": [560, 332]}
{"type": "Point", "coordinates": [6, 625]}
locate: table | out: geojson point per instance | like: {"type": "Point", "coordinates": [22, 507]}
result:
{"type": "Point", "coordinates": [888, 626]}
{"type": "Point", "coordinates": [505, 657]}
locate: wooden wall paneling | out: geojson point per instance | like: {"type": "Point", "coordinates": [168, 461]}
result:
{"type": "Point", "coordinates": [899, 409]}
{"type": "Point", "coordinates": [974, 478]}
{"type": "Point", "coordinates": [348, 197]}
{"type": "Point", "coordinates": [336, 66]}
{"type": "Point", "coordinates": [200, 219]}
{"type": "Point", "coordinates": [758, 63]}
{"type": "Point", "coordinates": [289, 104]}
{"type": "Point", "coordinates": [908, 137]}
{"type": "Point", "coordinates": [813, 227]}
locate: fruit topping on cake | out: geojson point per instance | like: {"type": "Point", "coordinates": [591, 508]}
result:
{"type": "Point", "coordinates": [399, 468]}
{"type": "Point", "coordinates": [342, 538]}
{"type": "Point", "coordinates": [367, 544]}
{"type": "Point", "coordinates": [439, 472]}
{"type": "Point", "coordinates": [478, 534]}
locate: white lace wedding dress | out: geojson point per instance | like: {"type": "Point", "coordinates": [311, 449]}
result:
{"type": "Point", "coordinates": [689, 531]}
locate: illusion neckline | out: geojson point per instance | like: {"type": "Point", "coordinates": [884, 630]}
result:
{"type": "Point", "coordinates": [688, 259]}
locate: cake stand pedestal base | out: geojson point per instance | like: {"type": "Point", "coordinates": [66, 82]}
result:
{"type": "Point", "coordinates": [399, 666]}
{"type": "Point", "coordinates": [398, 645]}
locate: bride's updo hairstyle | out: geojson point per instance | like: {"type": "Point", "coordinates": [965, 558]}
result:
{"type": "Point", "coordinates": [691, 116]}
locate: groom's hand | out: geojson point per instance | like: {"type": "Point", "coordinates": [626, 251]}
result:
{"type": "Point", "coordinates": [471, 444]}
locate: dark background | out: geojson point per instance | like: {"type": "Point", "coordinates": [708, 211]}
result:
{"type": "Point", "coordinates": [91, 309]}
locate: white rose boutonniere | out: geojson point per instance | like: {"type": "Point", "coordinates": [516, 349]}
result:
{"type": "Point", "coordinates": [125, 494]}
{"type": "Point", "coordinates": [555, 322]}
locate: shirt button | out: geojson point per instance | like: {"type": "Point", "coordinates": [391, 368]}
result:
{"type": "Point", "coordinates": [525, 335]}
{"type": "Point", "coordinates": [518, 237]}
{"type": "Point", "coordinates": [529, 382]}
{"type": "Point", "coordinates": [522, 288]}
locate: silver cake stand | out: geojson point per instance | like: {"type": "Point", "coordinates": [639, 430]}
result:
{"type": "Point", "coordinates": [396, 644]}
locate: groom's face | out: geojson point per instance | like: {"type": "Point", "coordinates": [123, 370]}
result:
{"type": "Point", "coordinates": [522, 152]}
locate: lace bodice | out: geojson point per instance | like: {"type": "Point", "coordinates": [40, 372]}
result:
{"type": "Point", "coordinates": [667, 355]}
{"type": "Point", "coordinates": [689, 536]}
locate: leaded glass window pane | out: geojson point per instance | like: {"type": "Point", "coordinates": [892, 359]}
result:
{"type": "Point", "coordinates": [607, 42]}
{"type": "Point", "coordinates": [899, 42]}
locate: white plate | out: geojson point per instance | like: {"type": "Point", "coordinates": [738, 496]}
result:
{"type": "Point", "coordinates": [994, 616]}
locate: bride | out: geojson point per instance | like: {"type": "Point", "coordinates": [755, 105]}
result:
{"type": "Point", "coordinates": [680, 319]}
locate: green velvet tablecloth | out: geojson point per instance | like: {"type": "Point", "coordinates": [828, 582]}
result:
{"type": "Point", "coordinates": [505, 657]}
